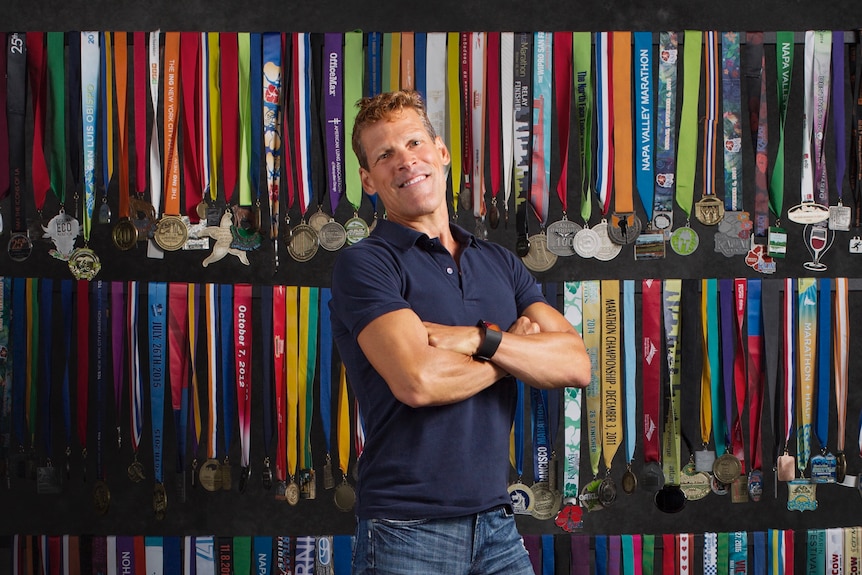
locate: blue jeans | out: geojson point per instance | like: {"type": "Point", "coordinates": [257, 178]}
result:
{"type": "Point", "coordinates": [481, 544]}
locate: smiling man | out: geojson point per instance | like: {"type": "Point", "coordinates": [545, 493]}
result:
{"type": "Point", "coordinates": [415, 310]}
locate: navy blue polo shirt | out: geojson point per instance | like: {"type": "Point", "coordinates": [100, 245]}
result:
{"type": "Point", "coordinates": [440, 461]}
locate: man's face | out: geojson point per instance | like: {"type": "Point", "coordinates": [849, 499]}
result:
{"type": "Point", "coordinates": [406, 167]}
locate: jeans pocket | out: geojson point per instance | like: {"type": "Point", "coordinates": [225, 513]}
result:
{"type": "Point", "coordinates": [396, 523]}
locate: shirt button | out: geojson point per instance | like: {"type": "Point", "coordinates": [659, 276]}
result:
{"type": "Point", "coordinates": [450, 271]}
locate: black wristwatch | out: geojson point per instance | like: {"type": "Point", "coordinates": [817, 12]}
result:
{"type": "Point", "coordinates": [491, 338]}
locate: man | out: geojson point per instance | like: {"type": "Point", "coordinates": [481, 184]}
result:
{"type": "Point", "coordinates": [413, 308]}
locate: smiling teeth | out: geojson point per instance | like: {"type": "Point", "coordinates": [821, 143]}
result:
{"type": "Point", "coordinates": [412, 181]}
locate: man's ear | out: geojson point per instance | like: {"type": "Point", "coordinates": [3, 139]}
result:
{"type": "Point", "coordinates": [444, 151]}
{"type": "Point", "coordinates": [365, 178]}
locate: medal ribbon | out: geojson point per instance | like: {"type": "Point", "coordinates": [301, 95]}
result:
{"type": "Point", "coordinates": [649, 554]}
{"type": "Point", "coordinates": [107, 125]}
{"type": "Point", "coordinates": [645, 94]}
{"type": "Point", "coordinates": [194, 330]}
{"type": "Point", "coordinates": [582, 60]}
{"type": "Point", "coordinates": [292, 367]}
{"type": "Point", "coordinates": [353, 73]}
{"type": "Point", "coordinates": [139, 96]}
{"type": "Point", "coordinates": [32, 367]}
{"type": "Point", "coordinates": [244, 52]}
{"type": "Point", "coordinates": [738, 552]}
{"type": "Point", "coordinates": [541, 439]}
{"type": "Point", "coordinates": [226, 353]}
{"type": "Point", "coordinates": [301, 113]}
{"type": "Point", "coordinates": [57, 95]}
{"type": "Point", "coordinates": [154, 61]}
{"type": "Point", "coordinates": [612, 433]}
{"type": "Point", "coordinates": [605, 120]}
{"type": "Point", "coordinates": [465, 81]}
{"type": "Point", "coordinates": [758, 561]}
{"type": "Point", "coordinates": [839, 118]}
{"type": "Point", "coordinates": [136, 396]}
{"type": "Point", "coordinates": [706, 406]}
{"type": "Point", "coordinates": [665, 148]}
{"type": "Point", "coordinates": [621, 96]}
{"type": "Point", "coordinates": [740, 292]}
{"type": "Point", "coordinates": [494, 107]}
{"type": "Point", "coordinates": [156, 310]}
{"type": "Point", "coordinates": [685, 547]}
{"type": "Point", "coordinates": [435, 77]}
{"type": "Point", "coordinates": [688, 126]}
{"type": "Point", "coordinates": [630, 357]}
{"type": "Point", "coordinates": [229, 60]}
{"type": "Point", "coordinates": [784, 48]}
{"type": "Point", "coordinates": [651, 366]}
{"type": "Point", "coordinates": [710, 552]}
{"type": "Point", "coordinates": [841, 355]}
{"type": "Point", "coordinates": [852, 547]}
{"type": "Point", "coordinates": [267, 382]}
{"type": "Point", "coordinates": [754, 63]}
{"type": "Point", "coordinates": [671, 295]}
{"type": "Point", "coordinates": [82, 352]}
{"type": "Point", "coordinates": [723, 555]}
{"type": "Point", "coordinates": [307, 360]}
{"type": "Point", "coordinates": [343, 431]}
{"type": "Point", "coordinates": [212, 114]}
{"type": "Point", "coordinates": [507, 118]}
{"type": "Point", "coordinates": [118, 344]}
{"type": "Point", "coordinates": [408, 61]}
{"type": "Point", "coordinates": [478, 70]}
{"type": "Point", "coordinates": [171, 124]}
{"type": "Point", "coordinates": [178, 327]}
{"type": "Point", "coordinates": [89, 113]}
{"type": "Point", "coordinates": [809, 177]}
{"type": "Point", "coordinates": [816, 552]}
{"type": "Point", "coordinates": [46, 309]}
{"type": "Point", "coordinates": [542, 121]}
{"type": "Point", "coordinates": [855, 132]}
{"type": "Point", "coordinates": [563, 97]}
{"type": "Point", "coordinates": [807, 341]}
{"type": "Point", "coordinates": [789, 346]}
{"type": "Point", "coordinates": [453, 88]}
{"type": "Point", "coordinates": [4, 124]}
{"type": "Point", "coordinates": [121, 64]}
{"type": "Point", "coordinates": [333, 99]}
{"type": "Point", "coordinates": [523, 61]}
{"type": "Point", "coordinates": [669, 553]}
{"type": "Point", "coordinates": [326, 369]}
{"type": "Point", "coordinates": [573, 310]}
{"type": "Point", "coordinates": [732, 121]}
{"type": "Point", "coordinates": [835, 549]}
{"type": "Point", "coordinates": [278, 350]}
{"type": "Point", "coordinates": [710, 123]}
{"type": "Point", "coordinates": [771, 323]}
{"type": "Point", "coordinates": [242, 341]}
{"type": "Point", "coordinates": [728, 353]}
{"type": "Point", "coordinates": [210, 306]}
{"type": "Point", "coordinates": [193, 145]}
{"type": "Point", "coordinates": [755, 371]}
{"type": "Point", "coordinates": [6, 372]}
{"type": "Point", "coordinates": [824, 352]}
{"type": "Point", "coordinates": [592, 341]}
{"type": "Point", "coordinates": [819, 108]}
{"type": "Point", "coordinates": [16, 109]}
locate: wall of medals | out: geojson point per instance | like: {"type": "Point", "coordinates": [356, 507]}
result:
{"type": "Point", "coordinates": [201, 185]}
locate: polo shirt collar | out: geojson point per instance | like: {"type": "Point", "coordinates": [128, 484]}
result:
{"type": "Point", "coordinates": [404, 238]}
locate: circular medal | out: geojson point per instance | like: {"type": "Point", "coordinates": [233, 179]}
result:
{"type": "Point", "coordinates": [494, 214]}
{"type": "Point", "coordinates": [704, 459]}
{"type": "Point", "coordinates": [84, 264]}
{"type": "Point", "coordinates": [709, 210]}
{"type": "Point", "coordinates": [480, 231]}
{"type": "Point", "coordinates": [125, 234]}
{"type": "Point", "coordinates": [624, 228]}
{"type": "Point", "coordinates": [727, 468]}
{"type": "Point", "coordinates": [344, 497]}
{"type": "Point", "coordinates": [292, 493]}
{"type": "Point", "coordinates": [332, 236]}
{"type": "Point", "coordinates": [608, 250]}
{"type": "Point", "coordinates": [20, 247]}
{"type": "Point", "coordinates": [684, 241]}
{"type": "Point", "coordinates": [318, 219]}
{"type": "Point", "coordinates": [840, 466]}
{"type": "Point", "coordinates": [808, 213]}
{"type": "Point", "coordinates": [201, 210]}
{"type": "Point", "coordinates": [522, 498]}
{"type": "Point", "coordinates": [662, 221]}
{"type": "Point", "coordinates": [171, 233]}
{"type": "Point", "coordinates": [607, 492]}
{"type": "Point", "coordinates": [694, 484]}
{"type": "Point", "coordinates": [356, 229]}
{"type": "Point", "coordinates": [586, 243]}
{"type": "Point", "coordinates": [629, 481]}
{"type": "Point", "coordinates": [561, 237]}
{"type": "Point", "coordinates": [135, 471]}
{"type": "Point", "coordinates": [160, 500]}
{"type": "Point", "coordinates": [544, 501]}
{"type": "Point", "coordinates": [104, 213]}
{"type": "Point", "coordinates": [755, 484]}
{"type": "Point", "coordinates": [589, 498]}
{"type": "Point", "coordinates": [670, 499]}
{"type": "Point", "coordinates": [652, 477]}
{"type": "Point", "coordinates": [539, 259]}
{"type": "Point", "coordinates": [210, 475]}
{"type": "Point", "coordinates": [303, 243]}
{"type": "Point", "coordinates": [718, 487]}
{"type": "Point", "coordinates": [101, 497]}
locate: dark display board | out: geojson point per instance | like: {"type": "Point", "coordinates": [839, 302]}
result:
{"type": "Point", "coordinates": [256, 511]}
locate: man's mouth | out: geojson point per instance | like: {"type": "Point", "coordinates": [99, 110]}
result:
{"type": "Point", "coordinates": [412, 181]}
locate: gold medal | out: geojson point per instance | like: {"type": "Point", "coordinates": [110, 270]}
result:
{"type": "Point", "coordinates": [522, 498]}
{"type": "Point", "coordinates": [709, 210]}
{"type": "Point", "coordinates": [160, 500]}
{"type": "Point", "coordinates": [345, 497]}
{"type": "Point", "coordinates": [539, 258]}
{"type": "Point", "coordinates": [318, 219]}
{"type": "Point", "coordinates": [125, 234]}
{"type": "Point", "coordinates": [694, 484]}
{"type": "Point", "coordinates": [357, 230]}
{"type": "Point", "coordinates": [101, 497]}
{"type": "Point", "coordinates": [291, 493]}
{"type": "Point", "coordinates": [84, 264]}
{"type": "Point", "coordinates": [544, 502]}
{"type": "Point", "coordinates": [136, 471]}
{"type": "Point", "coordinates": [226, 476]}
{"type": "Point", "coordinates": [171, 233]}
{"type": "Point", "coordinates": [739, 490]}
{"type": "Point", "coordinates": [727, 468]}
{"type": "Point", "coordinates": [210, 475]}
{"type": "Point", "coordinates": [629, 481]}
{"type": "Point", "coordinates": [303, 243]}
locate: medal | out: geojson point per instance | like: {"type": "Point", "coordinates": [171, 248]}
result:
{"type": "Point", "coordinates": [652, 477]}
{"type": "Point", "coordinates": [356, 229]}
{"type": "Point", "coordinates": [20, 247]}
{"type": "Point", "coordinates": [160, 500]}
{"type": "Point", "coordinates": [684, 241]}
{"type": "Point", "coordinates": [522, 246]}
{"type": "Point", "coordinates": [733, 235]}
{"type": "Point", "coordinates": [318, 219]}
{"type": "Point", "coordinates": [561, 237]}
{"type": "Point", "coordinates": [808, 213]}
{"type": "Point", "coordinates": [663, 222]}
{"type": "Point", "coordinates": [266, 475]}
{"type": "Point", "coordinates": [281, 491]}
{"type": "Point", "coordinates": [589, 498]}
{"type": "Point", "coordinates": [840, 466]}
{"type": "Point", "coordinates": [586, 243]}
{"type": "Point", "coordinates": [704, 460]}
{"type": "Point", "coordinates": [570, 517]}
{"type": "Point", "coordinates": [332, 236]}
{"type": "Point", "coordinates": [136, 471]}
{"type": "Point", "coordinates": [650, 246]}
{"type": "Point", "coordinates": [855, 245]}
{"type": "Point", "coordinates": [522, 498]}
{"type": "Point", "coordinates": [171, 233]}
{"type": "Point", "coordinates": [545, 504]}
{"type": "Point", "coordinates": [839, 217]}
{"type": "Point", "coordinates": [608, 250]}
{"type": "Point", "coordinates": [694, 484]}
{"type": "Point", "coordinates": [303, 243]}
{"type": "Point", "coordinates": [344, 497]}
{"type": "Point", "coordinates": [786, 467]}
{"type": "Point", "coordinates": [739, 490]}
{"type": "Point", "coordinates": [226, 474]}
{"type": "Point", "coordinates": [818, 240]}
{"type": "Point", "coordinates": [101, 497]}
{"type": "Point", "coordinates": [62, 229]}
{"type": "Point", "coordinates": [539, 259]}
{"type": "Point", "coordinates": [84, 264]}
{"type": "Point", "coordinates": [823, 468]}
{"type": "Point", "coordinates": [727, 468]}
{"type": "Point", "coordinates": [328, 479]}
{"type": "Point", "coordinates": [801, 495]}
{"type": "Point", "coordinates": [307, 484]}
{"type": "Point", "coordinates": [776, 242]}
{"type": "Point", "coordinates": [202, 210]}
{"type": "Point", "coordinates": [494, 214]}
{"type": "Point", "coordinates": [210, 475]}
{"type": "Point", "coordinates": [143, 216]}
{"type": "Point", "coordinates": [624, 228]}
{"type": "Point", "coordinates": [709, 210]}
{"type": "Point", "coordinates": [291, 493]}
{"type": "Point", "coordinates": [607, 492]}
{"type": "Point", "coordinates": [755, 485]}
{"type": "Point", "coordinates": [670, 499]}
{"type": "Point", "coordinates": [104, 212]}
{"type": "Point", "coordinates": [48, 480]}
{"type": "Point", "coordinates": [480, 231]}
{"type": "Point", "coordinates": [629, 481]}
{"type": "Point", "coordinates": [718, 487]}
{"type": "Point", "coordinates": [124, 234]}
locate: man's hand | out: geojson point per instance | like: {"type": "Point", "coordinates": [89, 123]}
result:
{"type": "Point", "coordinates": [466, 339]}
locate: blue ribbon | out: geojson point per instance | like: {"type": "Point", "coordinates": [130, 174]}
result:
{"type": "Point", "coordinates": [519, 428]}
{"type": "Point", "coordinates": [420, 52]}
{"type": "Point", "coordinates": [342, 552]}
{"type": "Point", "coordinates": [228, 390]}
{"type": "Point", "coordinates": [538, 403]}
{"type": "Point", "coordinates": [172, 557]}
{"type": "Point", "coordinates": [46, 315]}
{"type": "Point", "coordinates": [325, 366]}
{"type": "Point", "coordinates": [824, 360]}
{"type": "Point", "coordinates": [157, 318]}
{"type": "Point", "coordinates": [630, 356]}
{"type": "Point", "coordinates": [601, 555]}
{"type": "Point", "coordinates": [644, 89]}
{"type": "Point", "coordinates": [266, 368]}
{"type": "Point", "coordinates": [256, 95]}
{"type": "Point", "coordinates": [547, 554]}
{"type": "Point", "coordinates": [262, 564]}
{"type": "Point", "coordinates": [758, 562]}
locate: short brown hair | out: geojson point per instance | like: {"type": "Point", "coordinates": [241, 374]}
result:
{"type": "Point", "coordinates": [382, 107]}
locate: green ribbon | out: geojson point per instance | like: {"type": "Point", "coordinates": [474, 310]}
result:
{"type": "Point", "coordinates": [353, 68]}
{"type": "Point", "coordinates": [582, 43]}
{"type": "Point", "coordinates": [688, 126]}
{"type": "Point", "coordinates": [244, 57]}
{"type": "Point", "coordinates": [784, 47]}
{"type": "Point", "coordinates": [57, 96]}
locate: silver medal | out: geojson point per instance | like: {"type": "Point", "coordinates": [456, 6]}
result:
{"type": "Point", "coordinates": [608, 250]}
{"type": "Point", "coordinates": [561, 237]}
